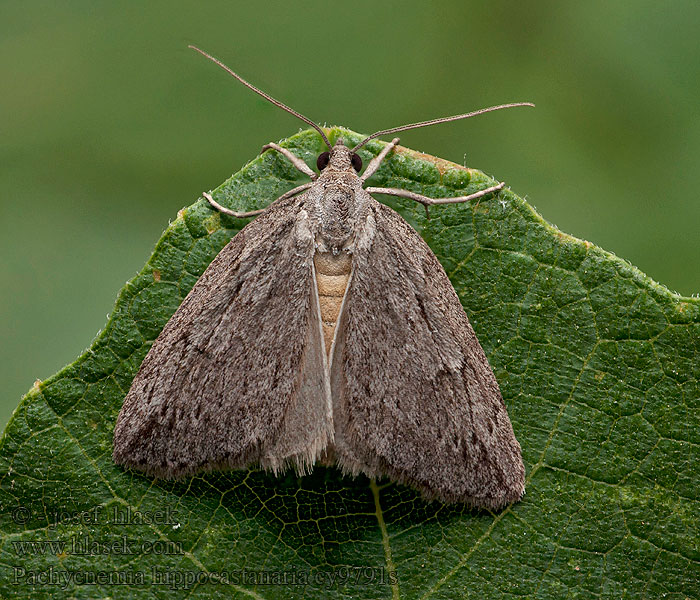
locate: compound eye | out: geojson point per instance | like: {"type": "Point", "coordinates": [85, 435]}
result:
{"type": "Point", "coordinates": [356, 162]}
{"type": "Point", "coordinates": [322, 160]}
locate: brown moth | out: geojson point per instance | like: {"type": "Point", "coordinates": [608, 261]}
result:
{"type": "Point", "coordinates": [326, 330]}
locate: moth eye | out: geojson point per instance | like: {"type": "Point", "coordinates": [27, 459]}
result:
{"type": "Point", "coordinates": [356, 162]}
{"type": "Point", "coordinates": [322, 160]}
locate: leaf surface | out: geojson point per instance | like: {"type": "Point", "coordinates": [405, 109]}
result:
{"type": "Point", "coordinates": [599, 367]}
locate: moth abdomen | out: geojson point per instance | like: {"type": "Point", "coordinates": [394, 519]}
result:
{"type": "Point", "coordinates": [332, 276]}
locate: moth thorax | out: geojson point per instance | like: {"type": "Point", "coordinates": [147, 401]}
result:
{"type": "Point", "coordinates": [337, 216]}
{"type": "Point", "coordinates": [332, 274]}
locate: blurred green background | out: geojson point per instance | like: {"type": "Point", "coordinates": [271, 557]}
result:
{"type": "Point", "coordinates": [109, 125]}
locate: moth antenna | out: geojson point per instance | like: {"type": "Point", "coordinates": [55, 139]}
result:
{"type": "Point", "coordinates": [440, 120]}
{"type": "Point", "coordinates": [264, 95]}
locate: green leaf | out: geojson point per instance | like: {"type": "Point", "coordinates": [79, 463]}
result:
{"type": "Point", "coordinates": [599, 367]}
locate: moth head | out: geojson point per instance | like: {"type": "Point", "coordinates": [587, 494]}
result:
{"type": "Point", "coordinates": [340, 158]}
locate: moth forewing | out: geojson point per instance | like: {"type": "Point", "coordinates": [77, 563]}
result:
{"type": "Point", "coordinates": [414, 398]}
{"type": "Point", "coordinates": [237, 376]}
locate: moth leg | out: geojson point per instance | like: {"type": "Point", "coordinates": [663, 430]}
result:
{"type": "Point", "coordinates": [252, 213]}
{"type": "Point", "coordinates": [377, 160]}
{"type": "Point", "coordinates": [295, 160]}
{"type": "Point", "coordinates": [425, 201]}
{"type": "Point", "coordinates": [228, 211]}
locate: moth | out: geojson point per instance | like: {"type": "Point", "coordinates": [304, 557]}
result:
{"type": "Point", "coordinates": [326, 330]}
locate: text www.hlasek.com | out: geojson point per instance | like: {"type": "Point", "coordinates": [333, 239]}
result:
{"type": "Point", "coordinates": [85, 546]}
